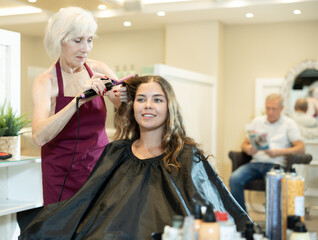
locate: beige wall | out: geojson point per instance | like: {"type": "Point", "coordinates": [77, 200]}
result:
{"type": "Point", "coordinates": [139, 48]}
{"type": "Point", "coordinates": [258, 51]}
{"type": "Point", "coordinates": [235, 55]}
{"type": "Point", "coordinates": [32, 54]}
{"type": "Point", "coordinates": [193, 46]}
{"type": "Point", "coordinates": [199, 47]}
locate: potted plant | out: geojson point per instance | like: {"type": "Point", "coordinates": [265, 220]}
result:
{"type": "Point", "coordinates": [10, 127]}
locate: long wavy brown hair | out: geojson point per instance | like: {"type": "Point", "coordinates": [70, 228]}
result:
{"type": "Point", "coordinates": [174, 135]}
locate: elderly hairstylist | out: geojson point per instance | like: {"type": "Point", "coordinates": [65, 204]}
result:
{"type": "Point", "coordinates": [69, 39]}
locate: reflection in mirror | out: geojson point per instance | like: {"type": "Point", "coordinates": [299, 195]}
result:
{"type": "Point", "coordinates": [305, 79]}
{"type": "Point", "coordinates": [301, 83]}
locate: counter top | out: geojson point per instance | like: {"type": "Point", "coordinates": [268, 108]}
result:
{"type": "Point", "coordinates": [19, 160]}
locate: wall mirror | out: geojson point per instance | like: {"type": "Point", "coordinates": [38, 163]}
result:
{"type": "Point", "coordinates": [295, 85]}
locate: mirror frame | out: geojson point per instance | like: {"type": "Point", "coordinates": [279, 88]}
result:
{"type": "Point", "coordinates": [307, 133]}
{"type": "Point", "coordinates": [290, 78]}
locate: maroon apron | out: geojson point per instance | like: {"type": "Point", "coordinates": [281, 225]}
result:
{"type": "Point", "coordinates": [57, 154]}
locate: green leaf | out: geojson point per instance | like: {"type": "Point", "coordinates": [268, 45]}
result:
{"type": "Point", "coordinates": [10, 124]}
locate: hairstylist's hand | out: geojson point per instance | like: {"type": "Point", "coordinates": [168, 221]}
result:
{"type": "Point", "coordinates": [96, 84]}
{"type": "Point", "coordinates": [121, 92]}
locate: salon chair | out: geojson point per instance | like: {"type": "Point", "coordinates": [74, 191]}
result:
{"type": "Point", "coordinates": [240, 158]}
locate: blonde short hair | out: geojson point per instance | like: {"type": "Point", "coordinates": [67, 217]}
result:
{"type": "Point", "coordinates": [301, 104]}
{"type": "Point", "coordinates": [274, 97]}
{"type": "Point", "coordinates": [66, 24]}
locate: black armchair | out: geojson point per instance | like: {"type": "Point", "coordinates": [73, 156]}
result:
{"type": "Point", "coordinates": [240, 158]}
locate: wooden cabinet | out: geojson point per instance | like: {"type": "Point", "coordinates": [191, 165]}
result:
{"type": "Point", "coordinates": [20, 189]}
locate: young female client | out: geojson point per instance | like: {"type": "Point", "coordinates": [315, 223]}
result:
{"type": "Point", "coordinates": [141, 181]}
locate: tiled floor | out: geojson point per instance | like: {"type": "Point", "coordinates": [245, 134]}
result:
{"type": "Point", "coordinates": [259, 217]}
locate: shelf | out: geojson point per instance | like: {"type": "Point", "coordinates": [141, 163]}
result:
{"type": "Point", "coordinates": [19, 160]}
{"type": "Point", "coordinates": [313, 163]}
{"type": "Point", "coordinates": [20, 184]}
{"type": "Point", "coordinates": [12, 206]}
{"type": "Point", "coordinates": [311, 141]}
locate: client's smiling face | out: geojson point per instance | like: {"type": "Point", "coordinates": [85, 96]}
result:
{"type": "Point", "coordinates": [150, 107]}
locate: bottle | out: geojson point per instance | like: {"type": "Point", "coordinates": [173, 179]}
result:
{"type": "Point", "coordinates": [249, 231]}
{"type": "Point", "coordinates": [257, 236]}
{"type": "Point", "coordinates": [197, 219]}
{"type": "Point", "coordinates": [209, 228]}
{"type": "Point", "coordinates": [299, 232]}
{"type": "Point", "coordinates": [165, 234]}
{"type": "Point", "coordinates": [237, 236]}
{"type": "Point", "coordinates": [177, 221]}
{"type": "Point", "coordinates": [273, 203]}
{"type": "Point", "coordinates": [227, 227]}
{"type": "Point", "coordinates": [118, 72]}
{"type": "Point", "coordinates": [188, 228]}
{"type": "Point", "coordinates": [292, 198]}
{"type": "Point", "coordinates": [174, 232]}
{"type": "Point", "coordinates": [124, 71]}
{"type": "Point", "coordinates": [291, 221]}
{"type": "Point", "coordinates": [132, 69]}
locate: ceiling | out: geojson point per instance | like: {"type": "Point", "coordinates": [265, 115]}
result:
{"type": "Point", "coordinates": [143, 16]}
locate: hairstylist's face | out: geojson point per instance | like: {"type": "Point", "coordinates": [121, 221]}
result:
{"type": "Point", "coordinates": [150, 107]}
{"type": "Point", "coordinates": [76, 50]}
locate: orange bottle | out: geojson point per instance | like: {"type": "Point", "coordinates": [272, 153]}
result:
{"type": "Point", "coordinates": [292, 198]}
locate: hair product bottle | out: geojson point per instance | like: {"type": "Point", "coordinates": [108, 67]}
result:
{"type": "Point", "coordinates": [299, 232]}
{"type": "Point", "coordinates": [209, 228]}
{"type": "Point", "coordinates": [291, 221]}
{"type": "Point", "coordinates": [188, 228]}
{"type": "Point", "coordinates": [292, 198]}
{"type": "Point", "coordinates": [249, 231]}
{"type": "Point", "coordinates": [273, 203]}
{"type": "Point", "coordinates": [174, 232]}
{"type": "Point", "coordinates": [227, 227]}
{"type": "Point", "coordinates": [197, 220]}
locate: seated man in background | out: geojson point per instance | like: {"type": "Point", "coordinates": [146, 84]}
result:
{"type": "Point", "coordinates": [283, 138]}
{"type": "Point", "coordinates": [300, 115]}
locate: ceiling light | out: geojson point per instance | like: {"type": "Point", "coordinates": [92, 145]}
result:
{"type": "Point", "coordinates": [127, 24]}
{"type": "Point", "coordinates": [19, 11]}
{"type": "Point", "coordinates": [236, 4]}
{"type": "Point", "coordinates": [104, 14]}
{"type": "Point", "coordinates": [32, 1]}
{"type": "Point", "coordinates": [249, 15]}
{"type": "Point", "coordinates": [101, 7]}
{"type": "Point", "coordinates": [161, 13]}
{"type": "Point", "coordinates": [297, 12]}
{"type": "Point", "coordinates": [162, 1]}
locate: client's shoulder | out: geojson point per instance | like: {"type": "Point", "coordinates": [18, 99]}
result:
{"type": "Point", "coordinates": [119, 144]}
{"type": "Point", "coordinates": [190, 153]}
{"type": "Point", "coordinates": [190, 149]}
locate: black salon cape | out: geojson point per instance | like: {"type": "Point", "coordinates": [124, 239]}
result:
{"type": "Point", "coordinates": [129, 198]}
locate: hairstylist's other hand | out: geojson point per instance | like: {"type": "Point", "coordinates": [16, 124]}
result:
{"type": "Point", "coordinates": [121, 92]}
